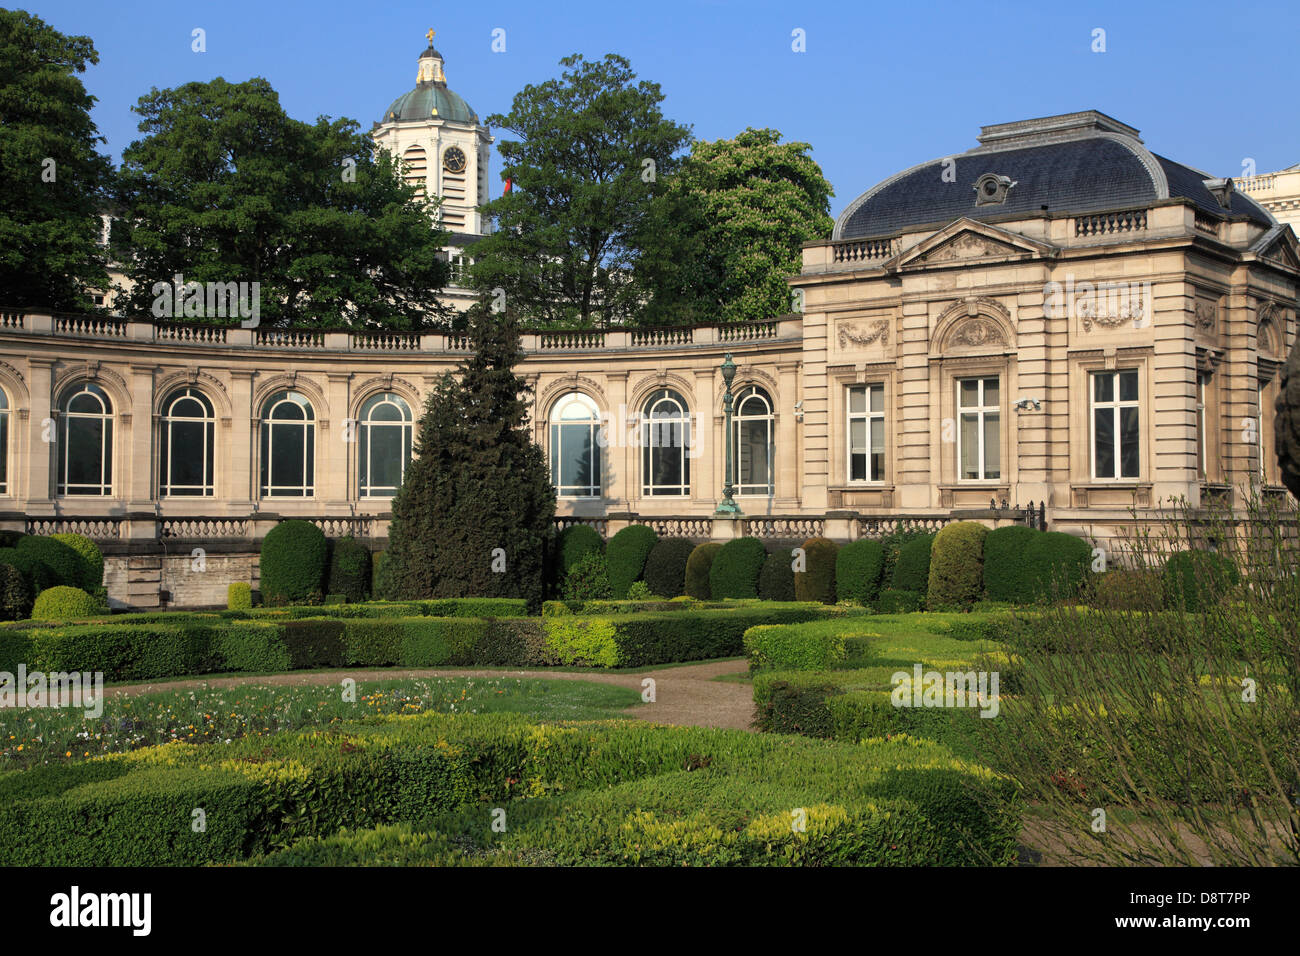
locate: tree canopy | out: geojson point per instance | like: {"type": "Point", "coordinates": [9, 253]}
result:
{"type": "Point", "coordinates": [593, 148]}
{"type": "Point", "coordinates": [226, 187]}
{"type": "Point", "coordinates": [728, 230]}
{"type": "Point", "coordinates": [52, 177]}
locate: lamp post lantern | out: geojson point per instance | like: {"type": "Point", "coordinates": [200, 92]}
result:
{"type": "Point", "coordinates": [728, 504]}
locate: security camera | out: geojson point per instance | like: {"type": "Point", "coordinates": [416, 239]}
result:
{"type": "Point", "coordinates": [1024, 404]}
{"type": "Point", "coordinates": [798, 410]}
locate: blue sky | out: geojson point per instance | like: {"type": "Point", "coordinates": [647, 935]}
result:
{"type": "Point", "coordinates": [881, 86]}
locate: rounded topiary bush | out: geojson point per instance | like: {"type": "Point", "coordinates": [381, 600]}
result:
{"type": "Point", "coordinates": [776, 580]}
{"type": "Point", "coordinates": [588, 579]}
{"type": "Point", "coordinates": [816, 582]}
{"type": "Point", "coordinates": [239, 596]}
{"type": "Point", "coordinates": [956, 566]}
{"type": "Point", "coordinates": [893, 545]}
{"type": "Point", "coordinates": [37, 572]}
{"type": "Point", "coordinates": [349, 573]}
{"type": "Point", "coordinates": [1010, 574]}
{"type": "Point", "coordinates": [293, 563]}
{"type": "Point", "coordinates": [15, 594]}
{"type": "Point", "coordinates": [68, 566]}
{"type": "Point", "coordinates": [698, 566]}
{"type": "Point", "coordinates": [626, 556]}
{"type": "Point", "coordinates": [1197, 579]}
{"type": "Point", "coordinates": [575, 541]}
{"type": "Point", "coordinates": [1061, 564]}
{"type": "Point", "coordinates": [90, 553]}
{"type": "Point", "coordinates": [858, 568]}
{"type": "Point", "coordinates": [911, 571]}
{"type": "Point", "coordinates": [735, 569]}
{"type": "Point", "coordinates": [63, 603]}
{"type": "Point", "coordinates": [665, 567]}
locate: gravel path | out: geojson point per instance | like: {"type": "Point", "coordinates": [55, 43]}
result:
{"type": "Point", "coordinates": [688, 695]}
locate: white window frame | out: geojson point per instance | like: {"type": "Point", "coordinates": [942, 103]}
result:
{"type": "Point", "coordinates": [209, 423]}
{"type": "Point", "coordinates": [105, 487]}
{"type": "Point", "coordinates": [652, 429]}
{"type": "Point", "coordinates": [267, 442]}
{"type": "Point", "coordinates": [555, 433]}
{"type": "Point", "coordinates": [366, 446]}
{"type": "Point", "coordinates": [980, 411]}
{"type": "Point", "coordinates": [746, 394]}
{"type": "Point", "coordinates": [867, 416]}
{"type": "Point", "coordinates": [1115, 406]}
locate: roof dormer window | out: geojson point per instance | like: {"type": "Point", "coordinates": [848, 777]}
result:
{"type": "Point", "coordinates": [991, 189]}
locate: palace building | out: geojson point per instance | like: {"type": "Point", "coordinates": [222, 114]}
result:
{"type": "Point", "coordinates": [1057, 316]}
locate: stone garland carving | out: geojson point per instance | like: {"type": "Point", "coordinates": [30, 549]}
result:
{"type": "Point", "coordinates": [967, 246]}
{"type": "Point", "coordinates": [977, 332]}
{"type": "Point", "coordinates": [1091, 312]}
{"type": "Point", "coordinates": [861, 338]}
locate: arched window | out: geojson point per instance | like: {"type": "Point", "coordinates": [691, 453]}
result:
{"type": "Point", "coordinates": [85, 441]}
{"type": "Point", "coordinates": [665, 439]}
{"type": "Point", "coordinates": [384, 445]}
{"type": "Point", "coordinates": [186, 445]}
{"type": "Point", "coordinates": [288, 446]}
{"type": "Point", "coordinates": [753, 442]}
{"type": "Point", "coordinates": [575, 453]}
{"type": "Point", "coordinates": [4, 443]}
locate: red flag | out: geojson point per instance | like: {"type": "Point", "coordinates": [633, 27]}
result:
{"type": "Point", "coordinates": [509, 183]}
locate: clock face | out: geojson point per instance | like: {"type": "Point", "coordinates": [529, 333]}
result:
{"type": "Point", "coordinates": [453, 160]}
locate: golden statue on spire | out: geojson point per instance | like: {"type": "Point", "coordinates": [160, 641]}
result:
{"type": "Point", "coordinates": [430, 35]}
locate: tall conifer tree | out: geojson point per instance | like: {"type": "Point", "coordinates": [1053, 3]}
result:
{"type": "Point", "coordinates": [478, 483]}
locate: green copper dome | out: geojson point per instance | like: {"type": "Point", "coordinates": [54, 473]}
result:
{"type": "Point", "coordinates": [421, 103]}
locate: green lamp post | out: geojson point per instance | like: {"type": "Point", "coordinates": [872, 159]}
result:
{"type": "Point", "coordinates": [728, 504]}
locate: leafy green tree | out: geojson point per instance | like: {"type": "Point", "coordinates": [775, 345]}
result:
{"type": "Point", "coordinates": [52, 179]}
{"type": "Point", "coordinates": [226, 187]}
{"type": "Point", "coordinates": [727, 230]}
{"type": "Point", "coordinates": [476, 485]}
{"type": "Point", "coordinates": [593, 147]}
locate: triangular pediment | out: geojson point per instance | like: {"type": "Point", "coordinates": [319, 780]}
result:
{"type": "Point", "coordinates": [968, 240]}
{"type": "Point", "coordinates": [1279, 245]}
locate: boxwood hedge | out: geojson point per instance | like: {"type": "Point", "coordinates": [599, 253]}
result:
{"type": "Point", "coordinates": [735, 569]}
{"type": "Point", "coordinates": [698, 567]}
{"type": "Point", "coordinates": [293, 563]}
{"type": "Point", "coordinates": [858, 568]}
{"type": "Point", "coordinates": [665, 567]}
{"type": "Point", "coordinates": [626, 556]}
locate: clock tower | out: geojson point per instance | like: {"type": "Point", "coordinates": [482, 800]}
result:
{"type": "Point", "coordinates": [444, 149]}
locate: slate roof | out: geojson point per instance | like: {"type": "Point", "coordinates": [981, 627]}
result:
{"type": "Point", "coordinates": [1075, 163]}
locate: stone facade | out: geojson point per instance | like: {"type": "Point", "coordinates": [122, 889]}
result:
{"type": "Point", "coordinates": [945, 370]}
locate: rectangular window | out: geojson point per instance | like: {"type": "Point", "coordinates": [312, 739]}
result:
{"type": "Point", "coordinates": [979, 429]}
{"type": "Point", "coordinates": [1259, 435]}
{"type": "Point", "coordinates": [866, 433]}
{"type": "Point", "coordinates": [1202, 435]}
{"type": "Point", "coordinates": [1115, 424]}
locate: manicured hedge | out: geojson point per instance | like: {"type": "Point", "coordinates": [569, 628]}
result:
{"type": "Point", "coordinates": [147, 647]}
{"type": "Point", "coordinates": [698, 567]}
{"type": "Point", "coordinates": [596, 793]}
{"type": "Point", "coordinates": [37, 573]}
{"type": "Point", "coordinates": [858, 568]}
{"type": "Point", "coordinates": [771, 646]}
{"type": "Point", "coordinates": [817, 581]}
{"type": "Point", "coordinates": [735, 569]}
{"type": "Point", "coordinates": [626, 555]}
{"type": "Point", "coordinates": [894, 601]}
{"type": "Point", "coordinates": [665, 567]}
{"type": "Point", "coordinates": [292, 564]}
{"type": "Point", "coordinates": [956, 566]}
{"type": "Point", "coordinates": [90, 554]}
{"type": "Point", "coordinates": [588, 578]}
{"type": "Point", "coordinates": [1010, 573]}
{"type": "Point", "coordinates": [63, 603]}
{"type": "Point", "coordinates": [1197, 579]}
{"type": "Point", "coordinates": [239, 596]}
{"type": "Point", "coordinates": [1062, 563]}
{"type": "Point", "coordinates": [349, 569]}
{"type": "Point", "coordinates": [15, 594]}
{"type": "Point", "coordinates": [911, 571]}
{"type": "Point", "coordinates": [776, 580]}
{"type": "Point", "coordinates": [575, 541]}
{"type": "Point", "coordinates": [66, 563]}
